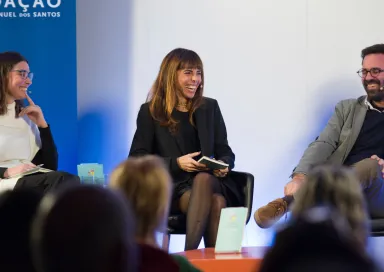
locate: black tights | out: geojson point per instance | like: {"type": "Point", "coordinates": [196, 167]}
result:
{"type": "Point", "coordinates": [202, 204]}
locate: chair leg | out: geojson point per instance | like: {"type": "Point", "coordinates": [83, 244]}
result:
{"type": "Point", "coordinates": [166, 239]}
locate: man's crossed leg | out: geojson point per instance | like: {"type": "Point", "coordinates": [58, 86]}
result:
{"type": "Point", "coordinates": [370, 173]}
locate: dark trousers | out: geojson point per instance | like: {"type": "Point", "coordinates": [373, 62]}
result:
{"type": "Point", "coordinates": [47, 182]}
{"type": "Point", "coordinates": [371, 178]}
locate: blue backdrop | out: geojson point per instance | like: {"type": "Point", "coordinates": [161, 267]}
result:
{"type": "Point", "coordinates": [46, 35]}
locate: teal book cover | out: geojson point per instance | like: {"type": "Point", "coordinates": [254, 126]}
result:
{"type": "Point", "coordinates": [91, 173]}
{"type": "Point", "coordinates": [231, 230]}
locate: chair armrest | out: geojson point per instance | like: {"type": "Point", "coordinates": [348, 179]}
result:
{"type": "Point", "coordinates": [245, 181]}
{"type": "Point", "coordinates": [377, 225]}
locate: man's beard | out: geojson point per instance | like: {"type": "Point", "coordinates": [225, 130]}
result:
{"type": "Point", "coordinates": [376, 94]}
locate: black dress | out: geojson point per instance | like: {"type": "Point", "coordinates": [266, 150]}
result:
{"type": "Point", "coordinates": [192, 144]}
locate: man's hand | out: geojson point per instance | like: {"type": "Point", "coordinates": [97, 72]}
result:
{"type": "Point", "coordinates": [294, 185]}
{"type": "Point", "coordinates": [380, 162]}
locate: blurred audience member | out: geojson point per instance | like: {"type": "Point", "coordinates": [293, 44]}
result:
{"type": "Point", "coordinates": [338, 187]}
{"type": "Point", "coordinates": [146, 183]}
{"type": "Point", "coordinates": [17, 210]}
{"type": "Point", "coordinates": [85, 228]}
{"type": "Point", "coordinates": [317, 240]}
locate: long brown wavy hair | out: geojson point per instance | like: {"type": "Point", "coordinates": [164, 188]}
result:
{"type": "Point", "coordinates": [163, 96]}
{"type": "Point", "coordinates": [7, 61]}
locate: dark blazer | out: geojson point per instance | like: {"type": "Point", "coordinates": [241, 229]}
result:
{"type": "Point", "coordinates": [152, 138]}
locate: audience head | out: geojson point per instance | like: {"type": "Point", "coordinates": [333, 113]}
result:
{"type": "Point", "coordinates": [17, 210]}
{"type": "Point", "coordinates": [180, 82]}
{"type": "Point", "coordinates": [146, 183]}
{"type": "Point", "coordinates": [338, 187]}
{"type": "Point", "coordinates": [318, 239]}
{"type": "Point", "coordinates": [372, 72]}
{"type": "Point", "coordinates": [84, 228]}
{"type": "Point", "coordinates": [15, 78]}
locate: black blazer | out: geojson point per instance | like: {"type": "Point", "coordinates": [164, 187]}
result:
{"type": "Point", "coordinates": [152, 138]}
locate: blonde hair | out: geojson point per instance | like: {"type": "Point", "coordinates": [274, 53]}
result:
{"type": "Point", "coordinates": [146, 183]}
{"type": "Point", "coordinates": [338, 187]}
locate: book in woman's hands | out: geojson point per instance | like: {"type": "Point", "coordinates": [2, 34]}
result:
{"type": "Point", "coordinates": [37, 169]}
{"type": "Point", "coordinates": [212, 163]}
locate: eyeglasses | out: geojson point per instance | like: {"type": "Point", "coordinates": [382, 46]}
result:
{"type": "Point", "coordinates": [374, 72]}
{"type": "Point", "coordinates": [24, 74]}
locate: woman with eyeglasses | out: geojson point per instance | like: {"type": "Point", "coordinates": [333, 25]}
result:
{"type": "Point", "coordinates": [26, 140]}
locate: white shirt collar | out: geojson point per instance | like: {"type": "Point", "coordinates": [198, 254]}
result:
{"type": "Point", "coordinates": [369, 105]}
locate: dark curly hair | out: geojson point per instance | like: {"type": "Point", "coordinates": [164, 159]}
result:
{"type": "Point", "coordinates": [373, 49]}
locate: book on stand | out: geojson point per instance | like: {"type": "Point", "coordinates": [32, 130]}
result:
{"type": "Point", "coordinates": [231, 230]}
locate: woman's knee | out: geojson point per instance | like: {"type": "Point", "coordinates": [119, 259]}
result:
{"type": "Point", "coordinates": [206, 180]}
{"type": "Point", "coordinates": [218, 202]}
{"type": "Point", "coordinates": [203, 176]}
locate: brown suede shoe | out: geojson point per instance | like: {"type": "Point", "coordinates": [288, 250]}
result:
{"type": "Point", "coordinates": [267, 215]}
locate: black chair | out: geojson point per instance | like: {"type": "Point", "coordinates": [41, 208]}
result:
{"type": "Point", "coordinates": [177, 222]}
{"type": "Point", "coordinates": [377, 227]}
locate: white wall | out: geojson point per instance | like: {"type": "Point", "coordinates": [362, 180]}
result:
{"type": "Point", "coordinates": [276, 67]}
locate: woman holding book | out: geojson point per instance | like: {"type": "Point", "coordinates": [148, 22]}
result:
{"type": "Point", "coordinates": [25, 137]}
{"type": "Point", "coordinates": [180, 125]}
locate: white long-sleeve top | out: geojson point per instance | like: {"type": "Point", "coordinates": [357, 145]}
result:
{"type": "Point", "coordinates": [19, 141]}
